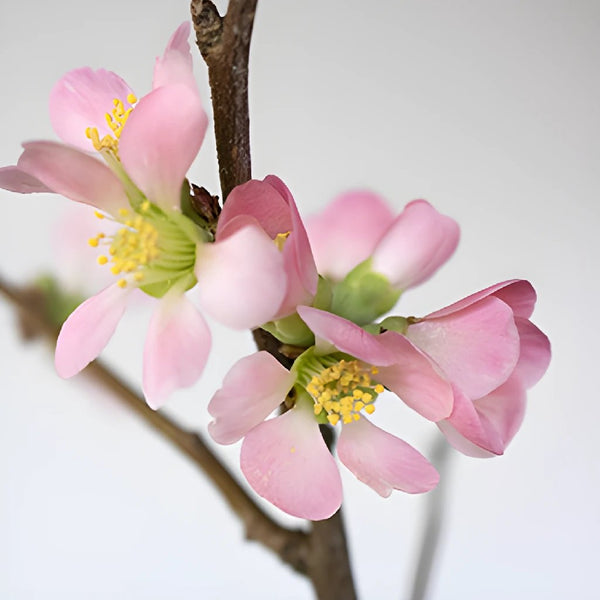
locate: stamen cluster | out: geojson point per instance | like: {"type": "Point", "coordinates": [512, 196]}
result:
{"type": "Point", "coordinates": [116, 120]}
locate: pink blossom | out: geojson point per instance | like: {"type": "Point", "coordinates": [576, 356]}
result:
{"type": "Point", "coordinates": [337, 381]}
{"type": "Point", "coordinates": [359, 226]}
{"type": "Point", "coordinates": [488, 348]}
{"type": "Point", "coordinates": [146, 148]}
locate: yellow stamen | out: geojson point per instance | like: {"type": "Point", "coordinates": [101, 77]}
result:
{"type": "Point", "coordinates": [280, 239]}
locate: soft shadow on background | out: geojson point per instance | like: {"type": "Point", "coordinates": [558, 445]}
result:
{"type": "Point", "coordinates": [488, 110]}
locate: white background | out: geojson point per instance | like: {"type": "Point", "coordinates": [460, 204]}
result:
{"type": "Point", "coordinates": [487, 109]}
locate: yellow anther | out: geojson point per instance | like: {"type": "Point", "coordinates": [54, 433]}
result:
{"type": "Point", "coordinates": [333, 419]}
{"type": "Point", "coordinates": [374, 370]}
{"type": "Point", "coordinates": [138, 276]}
{"type": "Point", "coordinates": [356, 416]}
{"type": "Point", "coordinates": [370, 408]}
{"type": "Point", "coordinates": [115, 270]}
{"type": "Point", "coordinates": [280, 239]}
{"type": "Point", "coordinates": [102, 260]}
{"type": "Point", "coordinates": [379, 388]}
{"type": "Point", "coordinates": [131, 98]}
{"type": "Point", "coordinates": [122, 283]}
{"type": "Point", "coordinates": [347, 419]}
{"type": "Point", "coordinates": [357, 394]}
{"type": "Point", "coordinates": [123, 212]}
{"type": "Point", "coordinates": [99, 215]}
{"type": "Point", "coordinates": [318, 408]}
{"type": "Point", "coordinates": [93, 242]}
{"type": "Point", "coordinates": [359, 405]}
{"type": "Point", "coordinates": [145, 206]}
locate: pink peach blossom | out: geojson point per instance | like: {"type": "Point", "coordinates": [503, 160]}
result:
{"type": "Point", "coordinates": [285, 459]}
{"type": "Point", "coordinates": [147, 146]}
{"type": "Point", "coordinates": [488, 348]}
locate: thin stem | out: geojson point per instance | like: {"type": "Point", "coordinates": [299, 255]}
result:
{"type": "Point", "coordinates": [433, 522]}
{"type": "Point", "coordinates": [289, 545]}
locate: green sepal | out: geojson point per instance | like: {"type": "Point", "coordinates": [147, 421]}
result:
{"type": "Point", "coordinates": [324, 294]}
{"type": "Point", "coordinates": [399, 324]}
{"type": "Point", "coordinates": [363, 295]}
{"type": "Point", "coordinates": [160, 288]}
{"type": "Point", "coordinates": [291, 330]}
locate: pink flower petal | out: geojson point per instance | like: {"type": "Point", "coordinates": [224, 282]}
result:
{"type": "Point", "coordinates": [414, 379]}
{"type": "Point", "coordinates": [472, 425]}
{"type": "Point", "coordinates": [299, 262]}
{"type": "Point", "coordinates": [254, 387]}
{"type": "Point", "coordinates": [517, 293]}
{"type": "Point", "coordinates": [160, 141]}
{"type": "Point", "coordinates": [347, 231]}
{"type": "Point", "coordinates": [477, 347]}
{"type": "Point", "coordinates": [383, 461]}
{"type": "Point", "coordinates": [241, 279]}
{"type": "Point", "coordinates": [419, 241]}
{"type": "Point", "coordinates": [535, 353]}
{"type": "Point", "coordinates": [73, 174]}
{"type": "Point", "coordinates": [346, 336]}
{"type": "Point", "coordinates": [175, 65]}
{"type": "Point", "coordinates": [17, 180]}
{"type": "Point", "coordinates": [176, 349]}
{"type": "Point", "coordinates": [89, 328]}
{"type": "Point", "coordinates": [261, 201]}
{"type": "Point", "coordinates": [286, 461]}
{"type": "Point", "coordinates": [81, 99]}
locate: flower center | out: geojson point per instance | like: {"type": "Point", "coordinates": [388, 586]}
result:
{"type": "Point", "coordinates": [340, 388]}
{"type": "Point", "coordinates": [148, 249]}
{"type": "Point", "coordinates": [116, 120]}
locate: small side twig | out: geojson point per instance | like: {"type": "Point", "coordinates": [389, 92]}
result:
{"type": "Point", "coordinates": [288, 544]}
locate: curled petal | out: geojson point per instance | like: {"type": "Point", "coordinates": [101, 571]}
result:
{"type": "Point", "coordinates": [259, 200]}
{"type": "Point", "coordinates": [17, 180]}
{"type": "Point", "coordinates": [286, 461]}
{"type": "Point", "coordinates": [383, 461]}
{"type": "Point", "coordinates": [517, 293]}
{"type": "Point", "coordinates": [176, 349]}
{"type": "Point", "coordinates": [418, 242]}
{"type": "Point", "coordinates": [89, 328]}
{"type": "Point", "coordinates": [347, 336]}
{"type": "Point", "coordinates": [73, 174]}
{"type": "Point", "coordinates": [414, 379]}
{"type": "Point", "coordinates": [160, 141]}
{"type": "Point", "coordinates": [254, 387]}
{"type": "Point", "coordinates": [241, 279]}
{"type": "Point", "coordinates": [535, 353]}
{"type": "Point", "coordinates": [347, 231]}
{"type": "Point", "coordinates": [477, 347]}
{"type": "Point", "coordinates": [175, 65]}
{"type": "Point", "coordinates": [472, 425]}
{"type": "Point", "coordinates": [82, 98]}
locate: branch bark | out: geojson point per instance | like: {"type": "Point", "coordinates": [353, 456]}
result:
{"type": "Point", "coordinates": [224, 43]}
{"type": "Point", "coordinates": [288, 544]}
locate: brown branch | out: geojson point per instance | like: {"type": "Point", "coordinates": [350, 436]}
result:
{"type": "Point", "coordinates": [224, 43]}
{"type": "Point", "coordinates": [289, 545]}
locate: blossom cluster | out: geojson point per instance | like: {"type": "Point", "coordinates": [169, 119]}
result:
{"type": "Point", "coordinates": [323, 288]}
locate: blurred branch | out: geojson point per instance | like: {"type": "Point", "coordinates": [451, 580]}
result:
{"type": "Point", "coordinates": [434, 517]}
{"type": "Point", "coordinates": [224, 42]}
{"type": "Point", "coordinates": [289, 545]}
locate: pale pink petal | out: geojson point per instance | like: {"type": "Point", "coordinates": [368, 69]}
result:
{"type": "Point", "coordinates": [175, 65]}
{"type": "Point", "coordinates": [160, 141]}
{"type": "Point", "coordinates": [73, 174]}
{"type": "Point", "coordinates": [414, 379]}
{"type": "Point", "coordinates": [286, 461]}
{"type": "Point", "coordinates": [252, 389]}
{"type": "Point", "coordinates": [347, 231]}
{"type": "Point", "coordinates": [81, 99]}
{"type": "Point", "coordinates": [477, 347]}
{"type": "Point", "coordinates": [517, 293]}
{"type": "Point", "coordinates": [241, 279]}
{"type": "Point", "coordinates": [419, 241]}
{"type": "Point", "coordinates": [472, 425]}
{"type": "Point", "coordinates": [89, 328]}
{"type": "Point", "coordinates": [504, 409]}
{"type": "Point", "coordinates": [383, 461]}
{"type": "Point", "coordinates": [461, 443]}
{"type": "Point", "coordinates": [535, 353]}
{"type": "Point", "coordinates": [259, 200]}
{"type": "Point", "coordinates": [17, 180]}
{"type": "Point", "coordinates": [176, 349]}
{"type": "Point", "coordinates": [347, 336]}
{"type": "Point", "coordinates": [299, 262]}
